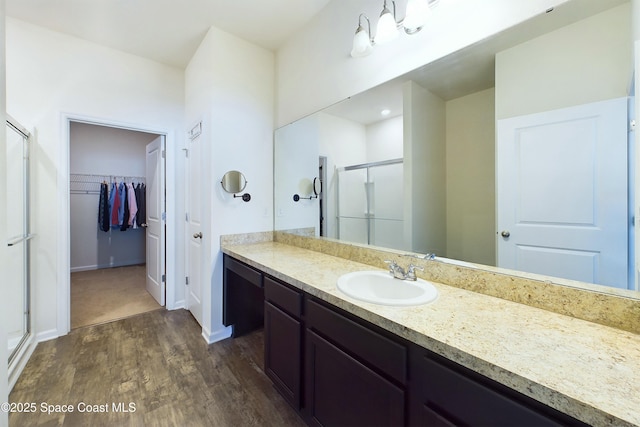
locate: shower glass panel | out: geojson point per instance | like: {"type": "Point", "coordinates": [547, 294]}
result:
{"type": "Point", "coordinates": [386, 215]}
{"type": "Point", "coordinates": [17, 276]}
{"type": "Point", "coordinates": [370, 204]}
{"type": "Point", "coordinates": [353, 224]}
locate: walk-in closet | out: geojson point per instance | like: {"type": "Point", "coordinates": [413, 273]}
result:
{"type": "Point", "coordinates": [107, 182]}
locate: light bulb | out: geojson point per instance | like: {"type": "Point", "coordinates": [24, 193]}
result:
{"type": "Point", "coordinates": [387, 28]}
{"type": "Point", "coordinates": [361, 43]}
{"type": "Point", "coordinates": [416, 15]}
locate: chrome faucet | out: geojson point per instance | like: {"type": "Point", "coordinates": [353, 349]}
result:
{"type": "Point", "coordinates": [411, 272]}
{"type": "Point", "coordinates": [399, 273]}
{"type": "Point", "coordinates": [396, 271]}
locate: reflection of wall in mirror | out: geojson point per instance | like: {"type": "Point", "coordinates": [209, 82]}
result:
{"type": "Point", "coordinates": [345, 143]}
{"type": "Point", "coordinates": [295, 159]}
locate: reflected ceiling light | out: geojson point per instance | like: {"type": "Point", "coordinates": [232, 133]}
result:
{"type": "Point", "coordinates": [388, 25]}
{"type": "Point", "coordinates": [362, 45]}
{"type": "Point", "coordinates": [385, 112]}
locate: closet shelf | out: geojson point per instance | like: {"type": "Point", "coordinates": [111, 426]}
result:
{"type": "Point", "coordinates": [90, 184]}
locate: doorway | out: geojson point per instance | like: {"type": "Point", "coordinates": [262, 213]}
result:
{"type": "Point", "coordinates": [116, 231]}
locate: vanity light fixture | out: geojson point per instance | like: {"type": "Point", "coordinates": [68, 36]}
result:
{"type": "Point", "coordinates": [389, 26]}
{"type": "Point", "coordinates": [362, 43]}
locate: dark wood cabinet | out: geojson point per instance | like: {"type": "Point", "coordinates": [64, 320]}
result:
{"type": "Point", "coordinates": [354, 375]}
{"type": "Point", "coordinates": [243, 297]}
{"type": "Point", "coordinates": [338, 369]}
{"type": "Point", "coordinates": [341, 391]}
{"type": "Point", "coordinates": [444, 393]}
{"type": "Point", "coordinates": [283, 339]}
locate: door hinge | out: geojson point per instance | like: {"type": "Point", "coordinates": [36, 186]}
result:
{"type": "Point", "coordinates": [164, 154]}
{"type": "Point", "coordinates": [186, 280]}
{"type": "Point", "coordinates": [186, 216]}
{"type": "Point", "coordinates": [164, 278]}
{"type": "Point", "coordinates": [164, 216]}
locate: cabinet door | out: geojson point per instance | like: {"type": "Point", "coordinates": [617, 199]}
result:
{"type": "Point", "coordinates": [446, 394]}
{"type": "Point", "coordinates": [283, 352]}
{"type": "Point", "coordinates": [340, 390]}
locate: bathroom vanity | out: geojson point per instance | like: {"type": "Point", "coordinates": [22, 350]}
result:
{"type": "Point", "coordinates": [465, 359]}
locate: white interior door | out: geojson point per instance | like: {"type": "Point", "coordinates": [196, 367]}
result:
{"type": "Point", "coordinates": [155, 220]}
{"type": "Point", "coordinates": [194, 226]}
{"type": "Point", "coordinates": [562, 193]}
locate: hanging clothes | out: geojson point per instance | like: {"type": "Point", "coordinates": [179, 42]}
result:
{"type": "Point", "coordinates": [124, 219]}
{"type": "Point", "coordinates": [123, 197]}
{"type": "Point", "coordinates": [133, 206]}
{"type": "Point", "coordinates": [141, 215]}
{"type": "Point", "coordinates": [114, 201]}
{"type": "Point", "coordinates": [103, 207]}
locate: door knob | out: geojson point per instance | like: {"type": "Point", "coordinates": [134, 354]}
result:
{"type": "Point", "coordinates": [197, 235]}
{"type": "Point", "coordinates": [505, 233]}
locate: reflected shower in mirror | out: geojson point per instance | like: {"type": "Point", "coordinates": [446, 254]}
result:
{"type": "Point", "coordinates": [446, 120]}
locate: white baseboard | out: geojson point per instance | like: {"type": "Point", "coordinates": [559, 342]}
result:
{"type": "Point", "coordinates": [100, 266]}
{"type": "Point", "coordinates": [216, 336]}
{"type": "Point", "coordinates": [177, 305]}
{"type": "Point", "coordinates": [47, 335]}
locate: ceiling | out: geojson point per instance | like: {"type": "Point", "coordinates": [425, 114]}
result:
{"type": "Point", "coordinates": [167, 31]}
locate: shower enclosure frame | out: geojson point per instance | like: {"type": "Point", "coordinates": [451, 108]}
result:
{"type": "Point", "coordinates": [24, 238]}
{"type": "Point", "coordinates": [368, 167]}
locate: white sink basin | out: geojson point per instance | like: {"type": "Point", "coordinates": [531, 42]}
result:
{"type": "Point", "coordinates": [380, 287]}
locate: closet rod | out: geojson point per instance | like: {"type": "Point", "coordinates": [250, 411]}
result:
{"type": "Point", "coordinates": [90, 183]}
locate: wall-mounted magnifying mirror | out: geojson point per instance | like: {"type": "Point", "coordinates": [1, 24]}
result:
{"type": "Point", "coordinates": [306, 186]}
{"type": "Point", "coordinates": [317, 186]}
{"type": "Point", "coordinates": [234, 182]}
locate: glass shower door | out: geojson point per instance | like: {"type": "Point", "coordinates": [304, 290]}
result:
{"type": "Point", "coordinates": [353, 208]}
{"type": "Point", "coordinates": [370, 204]}
{"type": "Point", "coordinates": [17, 278]}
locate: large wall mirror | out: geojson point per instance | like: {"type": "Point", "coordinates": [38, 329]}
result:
{"type": "Point", "coordinates": [513, 153]}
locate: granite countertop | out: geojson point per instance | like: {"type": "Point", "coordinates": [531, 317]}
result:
{"type": "Point", "coordinates": [586, 370]}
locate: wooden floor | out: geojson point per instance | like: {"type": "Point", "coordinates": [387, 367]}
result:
{"type": "Point", "coordinates": [159, 363]}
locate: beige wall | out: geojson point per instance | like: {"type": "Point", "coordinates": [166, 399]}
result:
{"type": "Point", "coordinates": [588, 61]}
{"type": "Point", "coordinates": [471, 178]}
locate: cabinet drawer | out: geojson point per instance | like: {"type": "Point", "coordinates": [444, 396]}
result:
{"type": "Point", "coordinates": [377, 350]}
{"type": "Point", "coordinates": [252, 276]}
{"type": "Point", "coordinates": [453, 396]}
{"type": "Point", "coordinates": [290, 300]}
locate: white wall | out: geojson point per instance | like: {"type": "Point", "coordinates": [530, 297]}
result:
{"type": "Point", "coordinates": [424, 170]}
{"type": "Point", "coordinates": [229, 85]}
{"type": "Point", "coordinates": [585, 62]}
{"type": "Point", "coordinates": [343, 143]}
{"type": "Point", "coordinates": [384, 140]}
{"type": "Point", "coordinates": [295, 166]}
{"type": "Point", "coordinates": [51, 76]}
{"type": "Point", "coordinates": [102, 150]}
{"type": "Point", "coordinates": [4, 381]}
{"type": "Point", "coordinates": [319, 52]}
